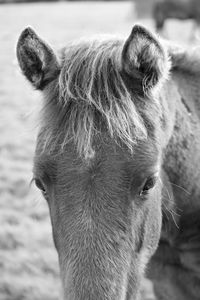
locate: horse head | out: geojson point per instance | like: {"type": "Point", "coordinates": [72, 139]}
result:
{"type": "Point", "coordinates": [98, 156]}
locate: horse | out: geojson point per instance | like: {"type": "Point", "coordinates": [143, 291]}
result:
{"type": "Point", "coordinates": [181, 9]}
{"type": "Point", "coordinates": [117, 160]}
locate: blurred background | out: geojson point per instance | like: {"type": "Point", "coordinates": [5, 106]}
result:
{"type": "Point", "coordinates": [28, 260]}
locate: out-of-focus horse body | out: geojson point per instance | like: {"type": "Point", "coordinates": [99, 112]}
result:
{"type": "Point", "coordinates": [117, 160]}
{"type": "Point", "coordinates": [172, 9]}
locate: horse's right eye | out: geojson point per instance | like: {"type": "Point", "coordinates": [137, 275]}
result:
{"type": "Point", "coordinates": [149, 184]}
{"type": "Point", "coordinates": [40, 185]}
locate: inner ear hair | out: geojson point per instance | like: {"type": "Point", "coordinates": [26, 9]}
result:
{"type": "Point", "coordinates": [144, 58]}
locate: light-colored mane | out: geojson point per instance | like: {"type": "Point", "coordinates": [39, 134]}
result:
{"type": "Point", "coordinates": [93, 97]}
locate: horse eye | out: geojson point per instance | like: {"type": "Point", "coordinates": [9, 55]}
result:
{"type": "Point", "coordinates": [149, 184]}
{"type": "Point", "coordinates": [40, 185]}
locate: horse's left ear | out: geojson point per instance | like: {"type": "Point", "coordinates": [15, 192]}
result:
{"type": "Point", "coordinates": [36, 59]}
{"type": "Point", "coordinates": [144, 59]}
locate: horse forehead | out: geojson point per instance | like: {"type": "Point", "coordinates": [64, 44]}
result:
{"type": "Point", "coordinates": [109, 159]}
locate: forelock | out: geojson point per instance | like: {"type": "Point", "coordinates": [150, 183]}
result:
{"type": "Point", "coordinates": [93, 98]}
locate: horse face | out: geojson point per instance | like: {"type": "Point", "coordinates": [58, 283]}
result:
{"type": "Point", "coordinates": [105, 204]}
{"type": "Point", "coordinates": [106, 217]}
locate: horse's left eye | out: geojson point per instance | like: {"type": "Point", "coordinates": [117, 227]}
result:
{"type": "Point", "coordinates": [149, 184]}
{"type": "Point", "coordinates": [40, 185]}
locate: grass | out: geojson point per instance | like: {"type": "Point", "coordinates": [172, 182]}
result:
{"type": "Point", "coordinates": [28, 260]}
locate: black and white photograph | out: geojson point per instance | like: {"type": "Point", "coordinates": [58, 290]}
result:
{"type": "Point", "coordinates": [99, 150]}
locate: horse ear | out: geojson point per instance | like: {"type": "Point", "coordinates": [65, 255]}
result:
{"type": "Point", "coordinates": [144, 59]}
{"type": "Point", "coordinates": [36, 59]}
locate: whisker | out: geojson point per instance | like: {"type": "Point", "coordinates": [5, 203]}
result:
{"type": "Point", "coordinates": [170, 210]}
{"type": "Point", "coordinates": [164, 206]}
{"type": "Point", "coordinates": [180, 188]}
{"type": "Point", "coordinates": [165, 211]}
{"type": "Point", "coordinates": [31, 182]}
{"type": "Point", "coordinates": [37, 201]}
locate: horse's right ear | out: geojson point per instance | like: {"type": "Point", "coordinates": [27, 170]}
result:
{"type": "Point", "coordinates": [36, 59]}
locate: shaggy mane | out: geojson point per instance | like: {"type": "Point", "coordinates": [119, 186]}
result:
{"type": "Point", "coordinates": [93, 98]}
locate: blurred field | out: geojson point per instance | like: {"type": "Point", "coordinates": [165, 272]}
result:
{"type": "Point", "coordinates": [28, 261]}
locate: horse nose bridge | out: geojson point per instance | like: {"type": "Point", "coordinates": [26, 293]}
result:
{"type": "Point", "coordinates": [95, 268]}
{"type": "Point", "coordinates": [88, 278]}
{"type": "Point", "coordinates": [96, 244]}
{"type": "Point", "coordinates": [89, 282]}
